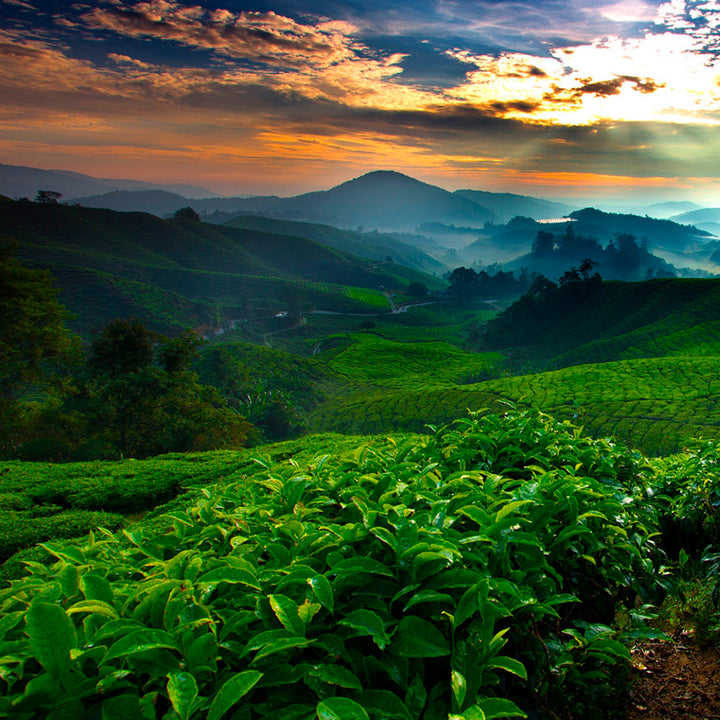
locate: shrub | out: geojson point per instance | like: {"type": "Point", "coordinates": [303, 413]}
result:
{"type": "Point", "coordinates": [469, 574]}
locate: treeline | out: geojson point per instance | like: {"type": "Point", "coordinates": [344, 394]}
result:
{"type": "Point", "coordinates": [622, 259]}
{"type": "Point", "coordinates": [466, 283]}
{"type": "Point", "coordinates": [129, 393]}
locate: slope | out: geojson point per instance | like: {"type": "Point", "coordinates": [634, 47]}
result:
{"type": "Point", "coordinates": [585, 322]}
{"type": "Point", "coordinates": [374, 246]}
{"type": "Point", "coordinates": [249, 268]}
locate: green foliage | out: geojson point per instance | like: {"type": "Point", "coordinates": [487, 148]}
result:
{"type": "Point", "coordinates": [32, 336]}
{"type": "Point", "coordinates": [144, 409]}
{"type": "Point", "coordinates": [467, 574]}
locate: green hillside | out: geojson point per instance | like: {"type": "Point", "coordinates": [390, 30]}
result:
{"type": "Point", "coordinates": [102, 259]}
{"type": "Point", "coordinates": [583, 323]}
{"type": "Point", "coordinates": [374, 246]}
{"type": "Point", "coordinates": [657, 405]}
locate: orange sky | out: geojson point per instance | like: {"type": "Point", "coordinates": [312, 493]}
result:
{"type": "Point", "coordinates": [557, 98]}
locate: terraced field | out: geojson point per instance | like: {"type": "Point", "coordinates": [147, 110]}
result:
{"type": "Point", "coordinates": [656, 404]}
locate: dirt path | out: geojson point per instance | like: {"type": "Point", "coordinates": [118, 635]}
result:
{"type": "Point", "coordinates": [673, 680]}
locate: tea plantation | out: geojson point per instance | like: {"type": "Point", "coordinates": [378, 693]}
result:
{"type": "Point", "coordinates": [475, 572]}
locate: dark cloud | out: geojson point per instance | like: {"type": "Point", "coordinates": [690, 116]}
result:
{"type": "Point", "coordinates": [614, 86]}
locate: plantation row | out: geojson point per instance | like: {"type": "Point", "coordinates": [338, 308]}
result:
{"type": "Point", "coordinates": [473, 573]}
{"type": "Point", "coordinates": [656, 405]}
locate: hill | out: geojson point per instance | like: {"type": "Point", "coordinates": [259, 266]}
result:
{"type": "Point", "coordinates": [245, 273]}
{"type": "Point", "coordinates": [583, 322]}
{"type": "Point", "coordinates": [505, 206]}
{"type": "Point", "coordinates": [680, 245]}
{"type": "Point", "coordinates": [374, 246]}
{"type": "Point", "coordinates": [19, 181]}
{"type": "Point", "coordinates": [163, 203]}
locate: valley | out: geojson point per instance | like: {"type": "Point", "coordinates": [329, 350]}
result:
{"type": "Point", "coordinates": [272, 453]}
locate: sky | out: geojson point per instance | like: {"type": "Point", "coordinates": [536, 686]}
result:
{"type": "Point", "coordinates": [553, 98]}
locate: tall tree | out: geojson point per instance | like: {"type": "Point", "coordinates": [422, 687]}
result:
{"type": "Point", "coordinates": [141, 395]}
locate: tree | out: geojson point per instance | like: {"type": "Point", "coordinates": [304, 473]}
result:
{"type": "Point", "coordinates": [47, 197]}
{"type": "Point", "coordinates": [34, 343]}
{"type": "Point", "coordinates": [140, 395]}
{"type": "Point", "coordinates": [186, 213]}
{"type": "Point", "coordinates": [32, 327]}
{"type": "Point", "coordinates": [463, 282]}
{"type": "Point", "coordinates": [417, 289]}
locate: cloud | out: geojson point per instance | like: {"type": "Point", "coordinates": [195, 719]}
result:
{"type": "Point", "coordinates": [261, 36]}
{"type": "Point", "coordinates": [23, 4]}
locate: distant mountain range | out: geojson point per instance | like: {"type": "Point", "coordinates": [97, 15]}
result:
{"type": "Point", "coordinates": [379, 200]}
{"type": "Point", "coordinates": [17, 181]}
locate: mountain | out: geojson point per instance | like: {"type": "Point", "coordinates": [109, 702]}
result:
{"type": "Point", "coordinates": [163, 203]}
{"type": "Point", "coordinates": [374, 246]}
{"type": "Point", "coordinates": [171, 271]}
{"type": "Point", "coordinates": [668, 210]}
{"type": "Point", "coordinates": [702, 215]}
{"type": "Point", "coordinates": [18, 181]}
{"type": "Point", "coordinates": [382, 200]}
{"type": "Point", "coordinates": [505, 206]}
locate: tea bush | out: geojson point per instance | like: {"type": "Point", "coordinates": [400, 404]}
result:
{"type": "Point", "coordinates": [467, 575]}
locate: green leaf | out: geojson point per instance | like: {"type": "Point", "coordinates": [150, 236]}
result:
{"type": "Point", "coordinates": [140, 641]}
{"type": "Point", "coordinates": [69, 580]}
{"type": "Point", "coordinates": [336, 675]}
{"type": "Point", "coordinates": [493, 708]}
{"type": "Point", "coordinates": [93, 606]}
{"type": "Point", "coordinates": [509, 508]}
{"type": "Point", "coordinates": [231, 691]}
{"type": "Point", "coordinates": [230, 575]}
{"type": "Point", "coordinates": [286, 611]}
{"type": "Point", "coordinates": [366, 622]}
{"type": "Point", "coordinates": [509, 664]}
{"type": "Point", "coordinates": [95, 587]}
{"type": "Point", "coordinates": [323, 591]}
{"type": "Point", "coordinates": [416, 637]}
{"type": "Point", "coordinates": [340, 708]}
{"type": "Point", "coordinates": [282, 644]}
{"type": "Point", "coordinates": [182, 690]}
{"type": "Point", "coordinates": [52, 636]}
{"type": "Point", "coordinates": [384, 703]}
{"type": "Point", "coordinates": [459, 687]}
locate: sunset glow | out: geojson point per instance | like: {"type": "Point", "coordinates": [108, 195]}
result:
{"type": "Point", "coordinates": [298, 96]}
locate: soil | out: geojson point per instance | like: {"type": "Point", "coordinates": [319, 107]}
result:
{"type": "Point", "coordinates": [674, 679]}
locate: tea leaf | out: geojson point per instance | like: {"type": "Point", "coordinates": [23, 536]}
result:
{"type": "Point", "coordinates": [232, 690]}
{"type": "Point", "coordinates": [140, 641]}
{"type": "Point", "coordinates": [182, 690]}
{"type": "Point", "coordinates": [418, 638]}
{"type": "Point", "coordinates": [339, 708]}
{"type": "Point", "coordinates": [52, 636]}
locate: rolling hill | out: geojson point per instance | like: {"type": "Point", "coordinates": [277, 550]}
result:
{"type": "Point", "coordinates": [374, 246]}
{"type": "Point", "coordinates": [111, 256]}
{"type": "Point", "coordinates": [19, 181]}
